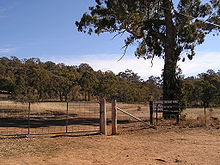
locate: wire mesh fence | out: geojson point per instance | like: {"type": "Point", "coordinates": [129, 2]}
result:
{"type": "Point", "coordinates": [22, 118]}
{"type": "Point", "coordinates": [189, 117]}
{"type": "Point", "coordinates": [200, 116]}
{"type": "Point", "coordinates": [18, 118]}
{"type": "Point", "coordinates": [13, 118]}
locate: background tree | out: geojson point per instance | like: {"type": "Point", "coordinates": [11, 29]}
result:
{"type": "Point", "coordinates": [129, 75]}
{"type": "Point", "coordinates": [210, 88]}
{"type": "Point", "coordinates": [88, 83]}
{"type": "Point", "coordinates": [107, 85]}
{"type": "Point", "coordinates": [31, 79]}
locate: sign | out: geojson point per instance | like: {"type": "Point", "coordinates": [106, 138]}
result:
{"type": "Point", "coordinates": [170, 106]}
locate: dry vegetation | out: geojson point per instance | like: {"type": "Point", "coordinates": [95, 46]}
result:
{"type": "Point", "coordinates": [188, 143]}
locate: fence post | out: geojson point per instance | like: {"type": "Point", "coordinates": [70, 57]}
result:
{"type": "Point", "coordinates": [205, 116]}
{"type": "Point", "coordinates": [103, 121]}
{"type": "Point", "coordinates": [151, 112]}
{"type": "Point", "coordinates": [114, 117]}
{"type": "Point", "coordinates": [67, 114]}
{"type": "Point", "coordinates": [29, 122]}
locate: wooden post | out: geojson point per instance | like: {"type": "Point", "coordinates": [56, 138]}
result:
{"type": "Point", "coordinates": [151, 112]}
{"type": "Point", "coordinates": [205, 116]}
{"type": "Point", "coordinates": [178, 118]}
{"type": "Point", "coordinates": [178, 113]}
{"type": "Point", "coordinates": [29, 122]}
{"type": "Point", "coordinates": [103, 121]}
{"type": "Point", "coordinates": [114, 117]}
{"type": "Point", "coordinates": [67, 114]}
{"type": "Point", "coordinates": [156, 115]}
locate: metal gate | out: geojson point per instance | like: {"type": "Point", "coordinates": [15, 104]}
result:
{"type": "Point", "coordinates": [23, 118]}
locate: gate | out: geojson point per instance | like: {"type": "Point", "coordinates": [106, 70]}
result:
{"type": "Point", "coordinates": [32, 118]}
{"type": "Point", "coordinates": [129, 117]}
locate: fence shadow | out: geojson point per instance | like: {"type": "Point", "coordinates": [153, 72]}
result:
{"type": "Point", "coordinates": [79, 134]}
{"type": "Point", "coordinates": [42, 122]}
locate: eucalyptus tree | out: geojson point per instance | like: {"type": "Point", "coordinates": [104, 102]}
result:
{"type": "Point", "coordinates": [107, 85]}
{"type": "Point", "coordinates": [158, 27]}
{"type": "Point", "coordinates": [88, 82]}
{"type": "Point", "coordinates": [129, 75]}
{"type": "Point", "coordinates": [210, 84]}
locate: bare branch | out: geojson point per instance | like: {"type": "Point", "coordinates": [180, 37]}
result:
{"type": "Point", "coordinates": [124, 53]}
{"type": "Point", "coordinates": [119, 33]}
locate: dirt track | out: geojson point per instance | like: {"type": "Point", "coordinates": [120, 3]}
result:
{"type": "Point", "coordinates": [169, 146]}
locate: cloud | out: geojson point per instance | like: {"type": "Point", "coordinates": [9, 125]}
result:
{"type": "Point", "coordinates": [200, 63]}
{"type": "Point", "coordinates": [5, 8]}
{"type": "Point", "coordinates": [3, 12]}
{"type": "Point", "coordinates": [107, 62]}
{"type": "Point", "coordinates": [140, 66]}
{"type": "Point", "coordinates": [6, 50]}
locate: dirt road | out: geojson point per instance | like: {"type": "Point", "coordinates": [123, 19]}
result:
{"type": "Point", "coordinates": [169, 146]}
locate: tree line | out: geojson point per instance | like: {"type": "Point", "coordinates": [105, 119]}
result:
{"type": "Point", "coordinates": [32, 79]}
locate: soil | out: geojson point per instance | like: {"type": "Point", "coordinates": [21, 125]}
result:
{"type": "Point", "coordinates": [168, 145]}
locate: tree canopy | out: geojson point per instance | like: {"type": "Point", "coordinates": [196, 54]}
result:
{"type": "Point", "coordinates": [31, 79]}
{"type": "Point", "coordinates": [158, 28]}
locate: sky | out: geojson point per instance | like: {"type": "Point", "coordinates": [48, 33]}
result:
{"type": "Point", "coordinates": [46, 29]}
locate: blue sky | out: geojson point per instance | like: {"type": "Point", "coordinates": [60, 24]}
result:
{"type": "Point", "coordinates": [46, 29]}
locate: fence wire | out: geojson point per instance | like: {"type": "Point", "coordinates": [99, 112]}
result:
{"type": "Point", "coordinates": [125, 122]}
{"type": "Point", "coordinates": [17, 118]}
{"type": "Point", "coordinates": [189, 117]}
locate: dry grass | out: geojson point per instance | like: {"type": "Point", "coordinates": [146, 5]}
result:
{"type": "Point", "coordinates": [50, 117]}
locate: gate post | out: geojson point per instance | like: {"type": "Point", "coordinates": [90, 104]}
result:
{"type": "Point", "coordinates": [151, 112]}
{"type": "Point", "coordinates": [114, 117]}
{"type": "Point", "coordinates": [29, 112]}
{"type": "Point", "coordinates": [67, 115]}
{"type": "Point", "coordinates": [103, 121]}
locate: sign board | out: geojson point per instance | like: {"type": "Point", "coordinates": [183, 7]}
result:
{"type": "Point", "coordinates": [171, 106]}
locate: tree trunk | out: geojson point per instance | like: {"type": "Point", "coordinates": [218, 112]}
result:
{"type": "Point", "coordinates": [85, 95]}
{"type": "Point", "coordinates": [61, 96]}
{"type": "Point", "coordinates": [170, 86]}
{"type": "Point", "coordinates": [89, 96]}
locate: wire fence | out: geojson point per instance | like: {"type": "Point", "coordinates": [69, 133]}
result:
{"type": "Point", "coordinates": [200, 116]}
{"type": "Point", "coordinates": [22, 118]}
{"type": "Point", "coordinates": [189, 117]}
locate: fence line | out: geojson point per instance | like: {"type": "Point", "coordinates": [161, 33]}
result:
{"type": "Point", "coordinates": [143, 113]}
{"type": "Point", "coordinates": [22, 118]}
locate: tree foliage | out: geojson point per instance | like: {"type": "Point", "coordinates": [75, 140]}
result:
{"type": "Point", "coordinates": [157, 27]}
{"type": "Point", "coordinates": [31, 79]}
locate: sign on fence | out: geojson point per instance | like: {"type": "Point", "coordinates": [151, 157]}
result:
{"type": "Point", "coordinates": [169, 108]}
